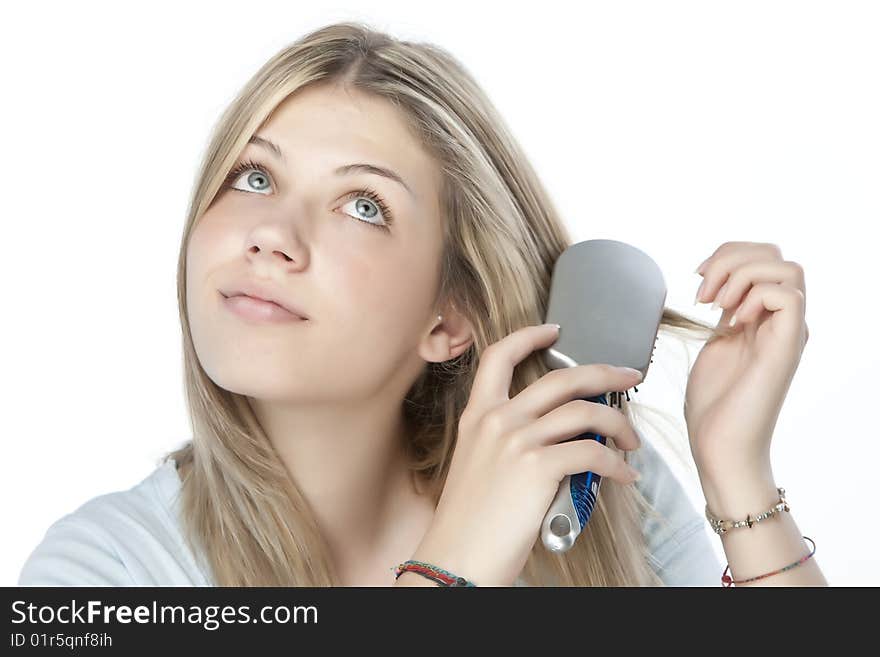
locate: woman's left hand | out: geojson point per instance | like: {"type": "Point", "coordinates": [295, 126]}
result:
{"type": "Point", "coordinates": [738, 383]}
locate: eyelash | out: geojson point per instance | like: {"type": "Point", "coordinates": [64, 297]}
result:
{"type": "Point", "coordinates": [366, 192]}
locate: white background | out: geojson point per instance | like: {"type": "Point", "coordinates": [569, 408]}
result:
{"type": "Point", "coordinates": [673, 126]}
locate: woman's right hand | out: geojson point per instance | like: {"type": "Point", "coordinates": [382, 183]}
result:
{"type": "Point", "coordinates": [509, 458]}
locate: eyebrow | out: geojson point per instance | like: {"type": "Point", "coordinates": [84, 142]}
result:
{"type": "Point", "coordinates": [345, 169]}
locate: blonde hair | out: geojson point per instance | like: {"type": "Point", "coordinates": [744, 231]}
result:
{"type": "Point", "coordinates": [242, 514]}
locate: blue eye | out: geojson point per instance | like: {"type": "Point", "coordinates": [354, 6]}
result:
{"type": "Point", "coordinates": [258, 168]}
{"type": "Point", "coordinates": [260, 175]}
{"type": "Point", "coordinates": [247, 166]}
{"type": "Point", "coordinates": [375, 200]}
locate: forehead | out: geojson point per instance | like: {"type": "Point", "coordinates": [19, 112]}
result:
{"type": "Point", "coordinates": [327, 125]}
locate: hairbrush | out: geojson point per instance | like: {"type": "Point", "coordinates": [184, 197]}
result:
{"type": "Point", "coordinates": [608, 298]}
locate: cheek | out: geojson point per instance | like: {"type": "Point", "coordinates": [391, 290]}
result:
{"type": "Point", "coordinates": [196, 252]}
{"type": "Point", "coordinates": [210, 241]}
{"type": "Point", "coordinates": [388, 293]}
{"type": "Point", "coordinates": [199, 246]}
{"type": "Point", "coordinates": [363, 282]}
{"type": "Point", "coordinates": [204, 256]}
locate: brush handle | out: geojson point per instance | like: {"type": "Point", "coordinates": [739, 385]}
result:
{"type": "Point", "coordinates": [574, 502]}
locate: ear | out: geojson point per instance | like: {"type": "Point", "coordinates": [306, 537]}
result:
{"type": "Point", "coordinates": [448, 336]}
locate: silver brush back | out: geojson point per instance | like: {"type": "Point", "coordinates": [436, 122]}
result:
{"type": "Point", "coordinates": [608, 298]}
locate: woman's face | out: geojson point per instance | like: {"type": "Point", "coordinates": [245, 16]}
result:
{"type": "Point", "coordinates": [314, 237]}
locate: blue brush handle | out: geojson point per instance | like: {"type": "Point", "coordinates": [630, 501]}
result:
{"type": "Point", "coordinates": [571, 509]}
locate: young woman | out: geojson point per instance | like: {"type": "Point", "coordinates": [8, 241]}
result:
{"type": "Point", "coordinates": [388, 405]}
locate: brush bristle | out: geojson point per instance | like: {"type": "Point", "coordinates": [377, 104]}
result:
{"type": "Point", "coordinates": [583, 496]}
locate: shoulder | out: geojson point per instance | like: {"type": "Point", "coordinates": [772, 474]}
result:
{"type": "Point", "coordinates": [123, 538]}
{"type": "Point", "coordinates": [679, 544]}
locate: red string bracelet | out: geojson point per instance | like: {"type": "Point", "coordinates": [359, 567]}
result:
{"type": "Point", "coordinates": [727, 580]}
{"type": "Point", "coordinates": [432, 572]}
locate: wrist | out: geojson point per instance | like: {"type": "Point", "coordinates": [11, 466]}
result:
{"type": "Point", "coordinates": [437, 550]}
{"type": "Point", "coordinates": [409, 578]}
{"type": "Point", "coordinates": [735, 497]}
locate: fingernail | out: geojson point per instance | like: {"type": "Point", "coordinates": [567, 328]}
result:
{"type": "Point", "coordinates": [699, 289]}
{"type": "Point", "coordinates": [632, 371]}
{"type": "Point", "coordinates": [635, 473]}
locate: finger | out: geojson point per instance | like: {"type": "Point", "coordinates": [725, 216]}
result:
{"type": "Point", "coordinates": [586, 456]}
{"type": "Point", "coordinates": [577, 417]}
{"type": "Point", "coordinates": [720, 265]}
{"type": "Point", "coordinates": [494, 374]}
{"type": "Point", "coordinates": [731, 294]}
{"type": "Point", "coordinates": [770, 251]}
{"type": "Point", "coordinates": [786, 304]}
{"type": "Point", "coordinates": [558, 387]}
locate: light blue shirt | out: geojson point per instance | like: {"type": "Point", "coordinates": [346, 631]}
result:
{"type": "Point", "coordinates": [134, 537]}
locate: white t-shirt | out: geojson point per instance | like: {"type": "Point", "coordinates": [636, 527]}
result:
{"type": "Point", "coordinates": [134, 538]}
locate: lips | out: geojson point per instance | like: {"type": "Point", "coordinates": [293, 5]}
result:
{"type": "Point", "coordinates": [263, 292]}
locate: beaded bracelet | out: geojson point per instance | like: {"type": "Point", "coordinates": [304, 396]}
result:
{"type": "Point", "coordinates": [442, 577]}
{"type": "Point", "coordinates": [722, 526]}
{"type": "Point", "coordinates": [727, 580]}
